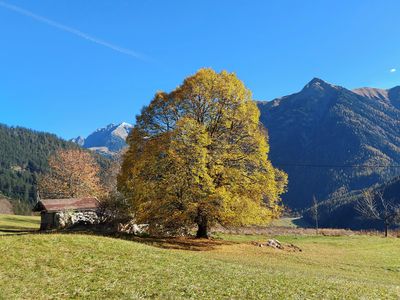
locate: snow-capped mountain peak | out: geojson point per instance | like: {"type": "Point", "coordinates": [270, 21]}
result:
{"type": "Point", "coordinates": [122, 130]}
{"type": "Point", "coordinates": [107, 140]}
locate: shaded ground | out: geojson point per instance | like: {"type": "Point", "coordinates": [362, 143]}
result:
{"type": "Point", "coordinates": [176, 243]}
{"type": "Point", "coordinates": [179, 243]}
{"type": "Point", "coordinates": [13, 224]}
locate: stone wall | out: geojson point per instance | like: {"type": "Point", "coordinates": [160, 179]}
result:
{"type": "Point", "coordinates": [68, 218]}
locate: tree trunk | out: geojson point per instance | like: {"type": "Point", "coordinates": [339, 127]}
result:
{"type": "Point", "coordinates": [386, 230]}
{"type": "Point", "coordinates": [202, 228]}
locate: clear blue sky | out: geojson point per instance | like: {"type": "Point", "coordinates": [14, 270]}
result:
{"type": "Point", "coordinates": [70, 66]}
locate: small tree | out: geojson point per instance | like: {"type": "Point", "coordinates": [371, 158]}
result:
{"type": "Point", "coordinates": [314, 212]}
{"type": "Point", "coordinates": [374, 206]}
{"type": "Point", "coordinates": [114, 208]}
{"type": "Point", "coordinates": [73, 173]}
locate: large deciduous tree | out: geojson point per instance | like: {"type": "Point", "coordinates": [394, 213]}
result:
{"type": "Point", "coordinates": [198, 155]}
{"type": "Point", "coordinates": [73, 173]}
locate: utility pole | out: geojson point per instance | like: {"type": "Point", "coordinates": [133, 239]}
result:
{"type": "Point", "coordinates": [314, 212]}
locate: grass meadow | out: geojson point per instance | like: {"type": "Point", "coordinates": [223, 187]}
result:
{"type": "Point", "coordinates": [13, 224]}
{"type": "Point", "coordinates": [83, 266]}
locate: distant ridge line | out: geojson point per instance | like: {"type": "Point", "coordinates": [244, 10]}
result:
{"type": "Point", "coordinates": [333, 166]}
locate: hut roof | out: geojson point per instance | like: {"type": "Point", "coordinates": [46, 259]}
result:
{"type": "Point", "coordinates": [53, 205]}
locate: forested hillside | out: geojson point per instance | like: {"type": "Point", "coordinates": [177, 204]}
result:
{"type": "Point", "coordinates": [340, 210]}
{"type": "Point", "coordinates": [329, 139]}
{"type": "Point", "coordinates": [23, 156]}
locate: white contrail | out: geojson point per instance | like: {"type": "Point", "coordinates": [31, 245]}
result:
{"type": "Point", "coordinates": [71, 30]}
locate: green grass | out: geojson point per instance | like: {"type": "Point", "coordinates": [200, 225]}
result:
{"type": "Point", "coordinates": [289, 222]}
{"type": "Point", "coordinates": [12, 224]}
{"type": "Point", "coordinates": [54, 266]}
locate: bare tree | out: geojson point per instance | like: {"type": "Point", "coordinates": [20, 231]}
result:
{"type": "Point", "coordinates": [314, 212]}
{"type": "Point", "coordinates": [374, 206]}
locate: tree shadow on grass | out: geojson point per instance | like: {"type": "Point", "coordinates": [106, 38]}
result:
{"type": "Point", "coordinates": [15, 231]}
{"type": "Point", "coordinates": [177, 243]}
{"type": "Point", "coordinates": [182, 243]}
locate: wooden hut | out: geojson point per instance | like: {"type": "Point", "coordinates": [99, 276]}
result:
{"type": "Point", "coordinates": [51, 209]}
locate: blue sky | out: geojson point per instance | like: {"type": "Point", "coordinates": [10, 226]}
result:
{"type": "Point", "coordinates": [71, 66]}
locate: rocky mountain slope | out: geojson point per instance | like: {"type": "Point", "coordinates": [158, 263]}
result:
{"type": "Point", "coordinates": [108, 140]}
{"type": "Point", "coordinates": [328, 138]}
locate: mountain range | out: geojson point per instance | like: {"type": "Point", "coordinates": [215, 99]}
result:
{"type": "Point", "coordinates": [107, 141]}
{"type": "Point", "coordinates": [331, 140]}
